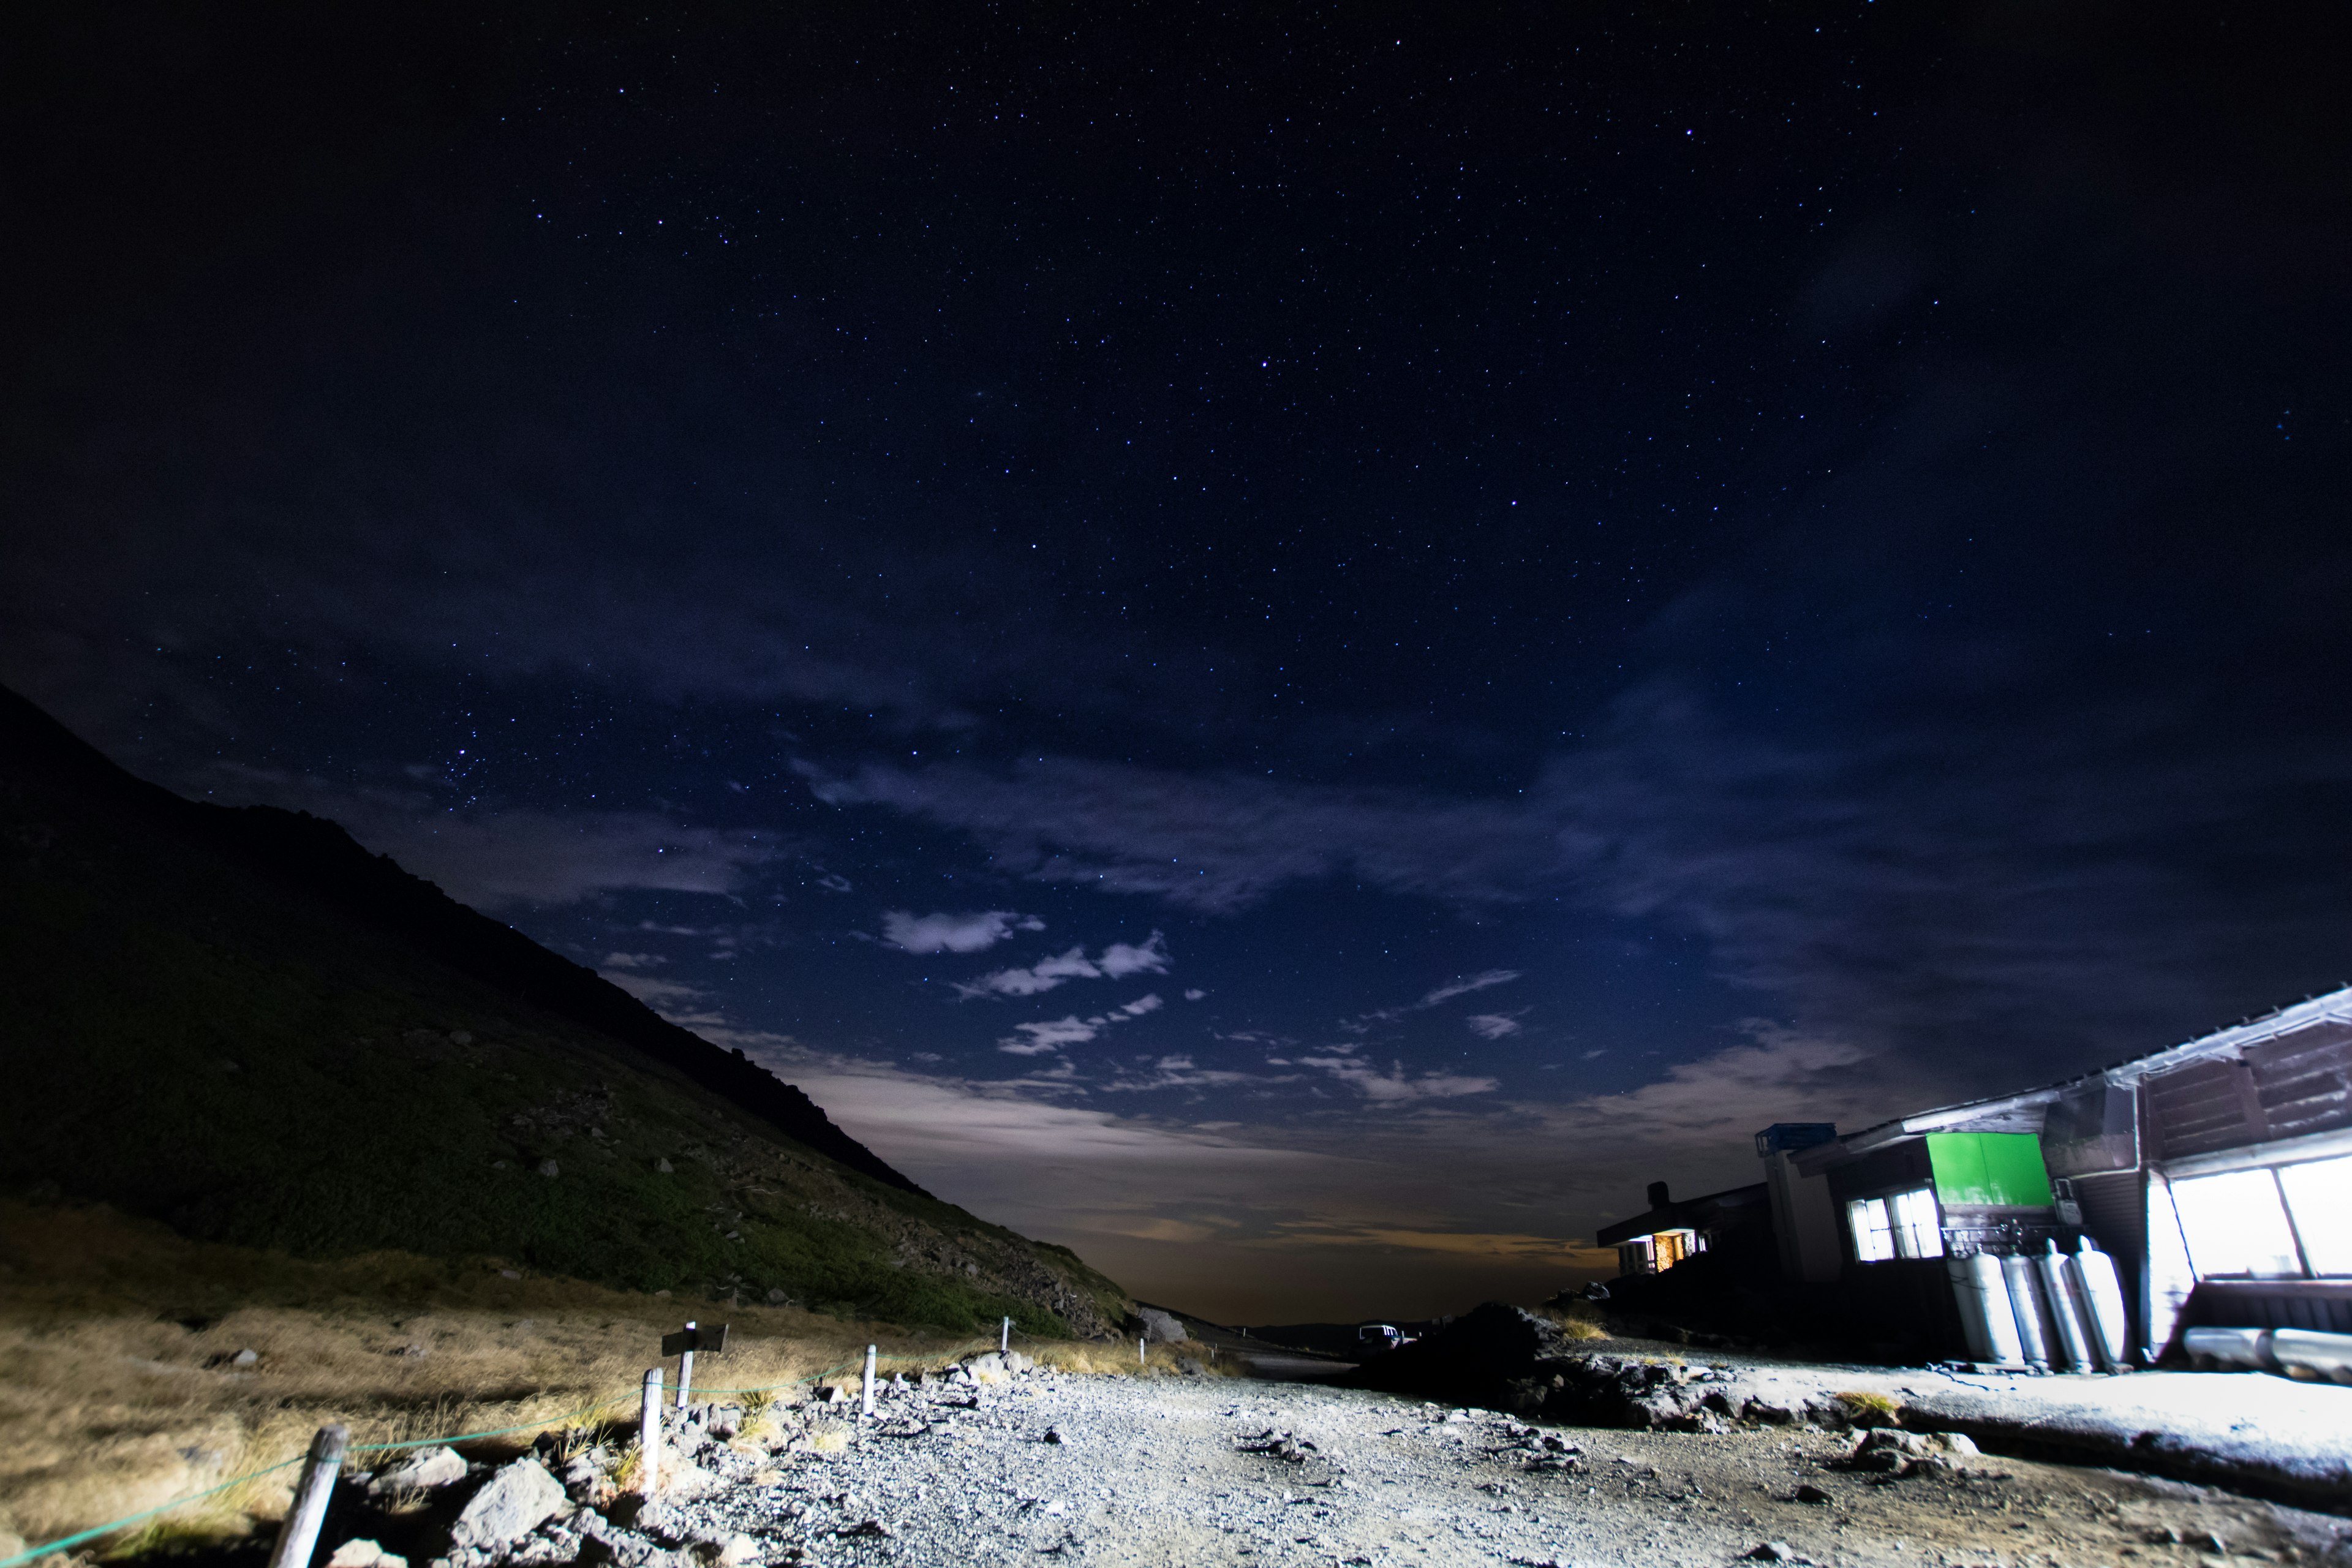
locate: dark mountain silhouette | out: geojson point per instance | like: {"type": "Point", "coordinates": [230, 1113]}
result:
{"type": "Point", "coordinates": [316, 857]}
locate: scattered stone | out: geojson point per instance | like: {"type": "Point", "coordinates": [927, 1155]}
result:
{"type": "Point", "coordinates": [988, 1368]}
{"type": "Point", "coordinates": [245, 1358]}
{"type": "Point", "coordinates": [421, 1471]}
{"type": "Point", "coordinates": [1775, 1552]}
{"type": "Point", "coordinates": [549, 1169]}
{"type": "Point", "coordinates": [1055, 1435]}
{"type": "Point", "coordinates": [517, 1500]}
{"type": "Point", "coordinates": [461, 1038]}
{"type": "Point", "coordinates": [776, 1297]}
{"type": "Point", "coordinates": [359, 1553]}
{"type": "Point", "coordinates": [1812, 1494]}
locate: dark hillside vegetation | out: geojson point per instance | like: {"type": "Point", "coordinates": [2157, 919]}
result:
{"type": "Point", "coordinates": [240, 1022]}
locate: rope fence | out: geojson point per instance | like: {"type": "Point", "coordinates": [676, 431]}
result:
{"type": "Point", "coordinates": [67, 1542]}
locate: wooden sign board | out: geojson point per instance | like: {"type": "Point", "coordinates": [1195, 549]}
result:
{"type": "Point", "coordinates": [710, 1341]}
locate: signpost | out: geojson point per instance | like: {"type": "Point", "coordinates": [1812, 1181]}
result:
{"type": "Point", "coordinates": [686, 1344]}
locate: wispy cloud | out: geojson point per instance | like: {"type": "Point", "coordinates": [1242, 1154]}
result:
{"type": "Point", "coordinates": [943, 933]}
{"type": "Point", "coordinates": [1036, 1040]}
{"type": "Point", "coordinates": [1478, 982]}
{"type": "Point", "coordinates": [1495, 1025]}
{"type": "Point", "coordinates": [1114, 962]}
{"type": "Point", "coordinates": [1396, 1086]}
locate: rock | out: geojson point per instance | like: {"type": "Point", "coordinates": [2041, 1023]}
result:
{"type": "Point", "coordinates": [664, 1167]}
{"type": "Point", "coordinates": [1160, 1328]}
{"type": "Point", "coordinates": [517, 1500]}
{"type": "Point", "coordinates": [1812, 1494]}
{"type": "Point", "coordinates": [1775, 1552]}
{"type": "Point", "coordinates": [1768, 1411]}
{"type": "Point", "coordinates": [1191, 1366]}
{"type": "Point", "coordinates": [988, 1368]}
{"type": "Point", "coordinates": [461, 1038]}
{"type": "Point", "coordinates": [1016, 1363]}
{"type": "Point", "coordinates": [1055, 1435]}
{"type": "Point", "coordinates": [245, 1358]}
{"type": "Point", "coordinates": [360, 1553]}
{"type": "Point", "coordinates": [723, 1421]}
{"type": "Point", "coordinates": [549, 1169]}
{"type": "Point", "coordinates": [421, 1471]}
{"type": "Point", "coordinates": [776, 1297]}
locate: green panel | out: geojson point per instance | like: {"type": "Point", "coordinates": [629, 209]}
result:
{"type": "Point", "coordinates": [2001, 1169]}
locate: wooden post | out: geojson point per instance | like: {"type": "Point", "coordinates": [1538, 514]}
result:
{"type": "Point", "coordinates": [1004, 1340]}
{"type": "Point", "coordinates": [869, 1383]}
{"type": "Point", "coordinates": [685, 1367]}
{"type": "Point", "coordinates": [298, 1538]}
{"type": "Point", "coordinates": [650, 1435]}
{"type": "Point", "coordinates": [1142, 1359]}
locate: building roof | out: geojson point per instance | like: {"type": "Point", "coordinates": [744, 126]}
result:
{"type": "Point", "coordinates": [2024, 1111]}
{"type": "Point", "coordinates": [1683, 1213]}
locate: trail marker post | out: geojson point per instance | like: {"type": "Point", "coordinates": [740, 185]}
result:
{"type": "Point", "coordinates": [684, 1345]}
{"type": "Point", "coordinates": [1142, 1359]}
{"type": "Point", "coordinates": [1004, 1340]}
{"type": "Point", "coordinates": [298, 1538]}
{"type": "Point", "coordinates": [649, 1434]}
{"type": "Point", "coordinates": [869, 1383]}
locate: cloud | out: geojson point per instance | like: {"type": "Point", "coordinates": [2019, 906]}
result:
{"type": "Point", "coordinates": [1116, 961]}
{"type": "Point", "coordinates": [1074, 1030]}
{"type": "Point", "coordinates": [943, 933]}
{"type": "Point", "coordinates": [1194, 995]}
{"type": "Point", "coordinates": [631, 961]}
{"type": "Point", "coordinates": [1478, 982]}
{"type": "Point", "coordinates": [1050, 1037]}
{"type": "Point", "coordinates": [1493, 1025]}
{"type": "Point", "coordinates": [1218, 842]}
{"type": "Point", "coordinates": [1396, 1086]}
{"type": "Point", "coordinates": [836, 881]}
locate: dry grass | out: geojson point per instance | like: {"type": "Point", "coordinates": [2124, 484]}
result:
{"type": "Point", "coordinates": [1864, 1409]}
{"type": "Point", "coordinates": [118, 1390]}
{"type": "Point", "coordinates": [1577, 1320]}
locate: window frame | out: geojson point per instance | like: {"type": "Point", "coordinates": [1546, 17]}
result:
{"type": "Point", "coordinates": [2272, 1168]}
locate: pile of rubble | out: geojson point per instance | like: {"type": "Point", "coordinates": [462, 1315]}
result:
{"type": "Point", "coordinates": [573, 1498]}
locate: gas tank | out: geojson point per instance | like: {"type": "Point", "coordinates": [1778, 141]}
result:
{"type": "Point", "coordinates": [2073, 1342]}
{"type": "Point", "coordinates": [2103, 1293]}
{"type": "Point", "coordinates": [2028, 1311]}
{"type": "Point", "coordinates": [1982, 1293]}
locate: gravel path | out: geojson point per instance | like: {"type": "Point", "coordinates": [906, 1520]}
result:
{"type": "Point", "coordinates": [1212, 1470]}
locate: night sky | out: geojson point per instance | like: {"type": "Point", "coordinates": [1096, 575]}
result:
{"type": "Point", "coordinates": [1292, 646]}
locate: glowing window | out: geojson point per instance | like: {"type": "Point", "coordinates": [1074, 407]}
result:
{"type": "Point", "coordinates": [2235, 1225]}
{"type": "Point", "coordinates": [2319, 1194]}
{"type": "Point", "coordinates": [1918, 1228]}
{"type": "Point", "coordinates": [1873, 1235]}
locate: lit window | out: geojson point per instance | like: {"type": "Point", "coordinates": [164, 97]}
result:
{"type": "Point", "coordinates": [1873, 1238]}
{"type": "Point", "coordinates": [1918, 1228]}
{"type": "Point", "coordinates": [2319, 1195]}
{"type": "Point", "coordinates": [2235, 1225]}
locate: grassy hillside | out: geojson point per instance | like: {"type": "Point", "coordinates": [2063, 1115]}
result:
{"type": "Point", "coordinates": [197, 1033]}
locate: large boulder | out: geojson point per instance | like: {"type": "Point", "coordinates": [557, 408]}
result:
{"type": "Point", "coordinates": [1160, 1328]}
{"type": "Point", "coordinates": [512, 1503]}
{"type": "Point", "coordinates": [422, 1470]}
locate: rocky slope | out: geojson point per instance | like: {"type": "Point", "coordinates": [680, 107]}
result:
{"type": "Point", "coordinates": [241, 1023]}
{"type": "Point", "coordinates": [993, 1465]}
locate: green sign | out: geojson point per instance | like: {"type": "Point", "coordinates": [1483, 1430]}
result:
{"type": "Point", "coordinates": [1988, 1170]}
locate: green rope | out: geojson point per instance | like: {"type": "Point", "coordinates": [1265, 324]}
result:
{"type": "Point", "coordinates": [23, 1557]}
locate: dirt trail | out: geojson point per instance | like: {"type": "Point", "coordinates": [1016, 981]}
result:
{"type": "Point", "coordinates": [1197, 1471]}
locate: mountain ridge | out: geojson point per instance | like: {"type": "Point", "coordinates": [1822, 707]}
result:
{"type": "Point", "coordinates": [238, 1021]}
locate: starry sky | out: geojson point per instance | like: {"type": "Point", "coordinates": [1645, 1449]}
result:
{"type": "Point", "coordinates": [1294, 646]}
